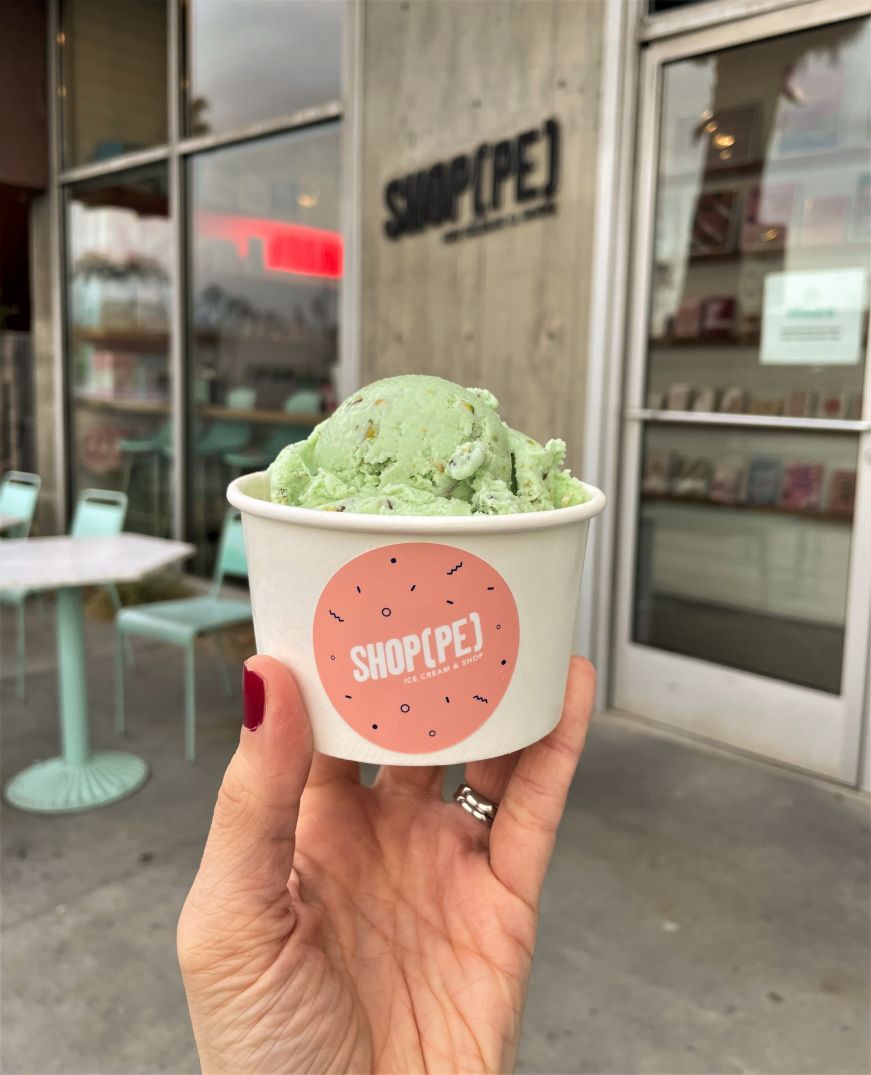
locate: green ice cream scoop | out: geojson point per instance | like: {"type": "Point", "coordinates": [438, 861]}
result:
{"type": "Point", "coordinates": [418, 445]}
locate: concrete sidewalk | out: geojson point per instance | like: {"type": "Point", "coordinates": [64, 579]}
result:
{"type": "Point", "coordinates": [703, 913]}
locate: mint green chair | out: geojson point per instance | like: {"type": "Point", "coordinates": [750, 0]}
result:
{"type": "Point", "coordinates": [149, 449]}
{"type": "Point", "coordinates": [19, 493]}
{"type": "Point", "coordinates": [99, 513]}
{"type": "Point", "coordinates": [181, 623]}
{"type": "Point", "coordinates": [303, 401]}
{"type": "Point", "coordinates": [260, 457]}
{"type": "Point", "coordinates": [227, 435]}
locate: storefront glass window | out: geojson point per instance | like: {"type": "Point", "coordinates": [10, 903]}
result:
{"type": "Point", "coordinates": [266, 261]}
{"type": "Point", "coordinates": [113, 78]}
{"type": "Point", "coordinates": [759, 316]}
{"type": "Point", "coordinates": [744, 547]}
{"type": "Point", "coordinates": [119, 299]}
{"type": "Point", "coordinates": [255, 60]}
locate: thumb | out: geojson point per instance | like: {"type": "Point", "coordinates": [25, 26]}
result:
{"type": "Point", "coordinates": [248, 857]}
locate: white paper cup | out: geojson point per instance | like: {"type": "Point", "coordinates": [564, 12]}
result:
{"type": "Point", "coordinates": [417, 640]}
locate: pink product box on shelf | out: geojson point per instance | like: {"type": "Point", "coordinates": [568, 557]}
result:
{"type": "Point", "coordinates": [112, 374]}
{"type": "Point", "coordinates": [802, 484]}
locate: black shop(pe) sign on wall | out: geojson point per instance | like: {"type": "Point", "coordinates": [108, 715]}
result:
{"type": "Point", "coordinates": [479, 192]}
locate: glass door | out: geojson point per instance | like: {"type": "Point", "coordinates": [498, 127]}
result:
{"type": "Point", "coordinates": [119, 305]}
{"type": "Point", "coordinates": [744, 598]}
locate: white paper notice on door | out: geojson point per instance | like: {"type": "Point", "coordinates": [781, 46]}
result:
{"type": "Point", "coordinates": [813, 318]}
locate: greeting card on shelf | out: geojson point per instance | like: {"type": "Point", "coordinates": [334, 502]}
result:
{"type": "Point", "coordinates": [694, 479]}
{"type": "Point", "coordinates": [800, 403]}
{"type": "Point", "coordinates": [766, 407]}
{"type": "Point", "coordinates": [679, 397]}
{"type": "Point", "coordinates": [655, 479]}
{"type": "Point", "coordinates": [726, 482]}
{"type": "Point", "coordinates": [713, 230]}
{"type": "Point", "coordinates": [718, 317]}
{"type": "Point", "coordinates": [655, 400]}
{"type": "Point", "coordinates": [733, 400]}
{"type": "Point", "coordinates": [767, 216]}
{"type": "Point", "coordinates": [833, 405]}
{"type": "Point", "coordinates": [763, 481]}
{"type": "Point", "coordinates": [802, 483]}
{"type": "Point", "coordinates": [661, 469]}
{"type": "Point", "coordinates": [854, 407]}
{"type": "Point", "coordinates": [706, 399]}
{"type": "Point", "coordinates": [842, 492]}
{"type": "Point", "coordinates": [687, 320]}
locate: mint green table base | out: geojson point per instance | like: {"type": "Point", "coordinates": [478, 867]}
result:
{"type": "Point", "coordinates": [79, 780]}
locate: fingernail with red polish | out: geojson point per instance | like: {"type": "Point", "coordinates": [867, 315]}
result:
{"type": "Point", "coordinates": [254, 694]}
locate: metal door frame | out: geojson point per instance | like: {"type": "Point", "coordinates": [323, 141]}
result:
{"type": "Point", "coordinates": [785, 705]}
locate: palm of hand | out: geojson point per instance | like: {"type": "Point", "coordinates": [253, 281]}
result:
{"type": "Point", "coordinates": [433, 948]}
{"type": "Point", "coordinates": [401, 942]}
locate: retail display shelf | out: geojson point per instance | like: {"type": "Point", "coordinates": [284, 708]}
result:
{"type": "Point", "coordinates": [768, 509]}
{"type": "Point", "coordinates": [233, 414]}
{"type": "Point", "coordinates": [128, 404]}
{"type": "Point", "coordinates": [261, 417]}
{"type": "Point", "coordinates": [133, 339]}
{"type": "Point", "coordinates": [662, 343]}
{"type": "Point", "coordinates": [753, 421]}
{"type": "Point", "coordinates": [139, 340]}
{"type": "Point", "coordinates": [669, 343]}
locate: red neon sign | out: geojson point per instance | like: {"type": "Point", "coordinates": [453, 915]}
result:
{"type": "Point", "coordinates": [292, 248]}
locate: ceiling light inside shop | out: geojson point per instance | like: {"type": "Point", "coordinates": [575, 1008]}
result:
{"type": "Point", "coordinates": [724, 140]}
{"type": "Point", "coordinates": [307, 201]}
{"type": "Point", "coordinates": [725, 154]}
{"type": "Point", "coordinates": [710, 127]}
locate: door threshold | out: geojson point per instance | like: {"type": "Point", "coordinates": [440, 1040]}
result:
{"type": "Point", "coordinates": [712, 746]}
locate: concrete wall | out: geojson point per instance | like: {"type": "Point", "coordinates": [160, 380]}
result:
{"type": "Point", "coordinates": [45, 389]}
{"type": "Point", "coordinates": [510, 309]}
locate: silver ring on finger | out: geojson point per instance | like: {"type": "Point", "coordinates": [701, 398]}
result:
{"type": "Point", "coordinates": [474, 803]}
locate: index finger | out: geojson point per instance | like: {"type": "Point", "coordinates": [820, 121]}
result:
{"type": "Point", "coordinates": [524, 829]}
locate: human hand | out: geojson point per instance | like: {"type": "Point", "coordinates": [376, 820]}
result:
{"type": "Point", "coordinates": [334, 927]}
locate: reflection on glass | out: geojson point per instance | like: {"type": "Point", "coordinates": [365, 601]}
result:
{"type": "Point", "coordinates": [253, 60]}
{"type": "Point", "coordinates": [763, 221]}
{"type": "Point", "coordinates": [759, 307]}
{"type": "Point", "coordinates": [266, 260]}
{"type": "Point", "coordinates": [743, 549]}
{"type": "Point", "coordinates": [113, 72]}
{"type": "Point", "coordinates": [119, 273]}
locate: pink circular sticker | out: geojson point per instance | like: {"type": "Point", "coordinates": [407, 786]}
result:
{"type": "Point", "coordinates": [416, 644]}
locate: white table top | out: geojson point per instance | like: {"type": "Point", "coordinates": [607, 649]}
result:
{"type": "Point", "coordinates": [7, 520]}
{"type": "Point", "coordinates": [51, 563]}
